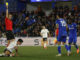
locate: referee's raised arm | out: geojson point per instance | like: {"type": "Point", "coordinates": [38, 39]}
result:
{"type": "Point", "coordinates": [7, 11]}
{"type": "Point", "coordinates": [9, 26]}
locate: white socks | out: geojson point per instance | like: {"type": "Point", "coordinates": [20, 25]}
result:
{"type": "Point", "coordinates": [45, 45]}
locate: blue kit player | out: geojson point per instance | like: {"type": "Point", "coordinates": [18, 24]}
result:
{"type": "Point", "coordinates": [61, 38]}
{"type": "Point", "coordinates": [72, 26]}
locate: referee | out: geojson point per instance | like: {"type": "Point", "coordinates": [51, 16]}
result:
{"type": "Point", "coordinates": [9, 27]}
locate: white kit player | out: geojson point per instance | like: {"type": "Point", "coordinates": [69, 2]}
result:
{"type": "Point", "coordinates": [12, 46]}
{"type": "Point", "coordinates": [44, 33]}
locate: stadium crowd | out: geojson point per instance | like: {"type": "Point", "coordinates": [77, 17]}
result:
{"type": "Point", "coordinates": [30, 23]}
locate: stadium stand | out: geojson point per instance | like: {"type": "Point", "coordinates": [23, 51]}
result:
{"type": "Point", "coordinates": [29, 24]}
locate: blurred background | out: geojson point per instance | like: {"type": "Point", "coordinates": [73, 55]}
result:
{"type": "Point", "coordinates": [30, 15]}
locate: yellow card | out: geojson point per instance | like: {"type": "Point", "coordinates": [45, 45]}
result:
{"type": "Point", "coordinates": [6, 3]}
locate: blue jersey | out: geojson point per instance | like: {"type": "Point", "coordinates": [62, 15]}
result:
{"type": "Point", "coordinates": [62, 27]}
{"type": "Point", "coordinates": [72, 29]}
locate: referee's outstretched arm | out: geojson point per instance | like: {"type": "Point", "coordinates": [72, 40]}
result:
{"type": "Point", "coordinates": [6, 11]}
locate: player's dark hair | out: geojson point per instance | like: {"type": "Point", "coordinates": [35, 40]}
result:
{"type": "Point", "coordinates": [60, 15]}
{"type": "Point", "coordinates": [20, 40]}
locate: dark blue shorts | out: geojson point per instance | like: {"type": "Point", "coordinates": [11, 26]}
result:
{"type": "Point", "coordinates": [72, 39]}
{"type": "Point", "coordinates": [62, 39]}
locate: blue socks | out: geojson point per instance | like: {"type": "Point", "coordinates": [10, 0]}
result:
{"type": "Point", "coordinates": [70, 47]}
{"type": "Point", "coordinates": [76, 46]}
{"type": "Point", "coordinates": [59, 49]}
{"type": "Point", "coordinates": [66, 46]}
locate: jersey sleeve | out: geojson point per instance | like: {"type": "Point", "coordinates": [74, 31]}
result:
{"type": "Point", "coordinates": [56, 22]}
{"type": "Point", "coordinates": [41, 31]}
{"type": "Point", "coordinates": [68, 25]}
{"type": "Point", "coordinates": [47, 30]}
{"type": "Point", "coordinates": [75, 25]}
{"type": "Point", "coordinates": [6, 20]}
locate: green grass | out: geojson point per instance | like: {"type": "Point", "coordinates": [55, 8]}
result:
{"type": "Point", "coordinates": [38, 53]}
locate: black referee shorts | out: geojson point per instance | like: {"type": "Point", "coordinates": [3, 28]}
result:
{"type": "Point", "coordinates": [9, 35]}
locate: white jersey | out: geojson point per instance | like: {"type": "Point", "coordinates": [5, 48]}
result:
{"type": "Point", "coordinates": [11, 46]}
{"type": "Point", "coordinates": [44, 33]}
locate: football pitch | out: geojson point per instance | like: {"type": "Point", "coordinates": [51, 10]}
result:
{"type": "Point", "coordinates": [38, 53]}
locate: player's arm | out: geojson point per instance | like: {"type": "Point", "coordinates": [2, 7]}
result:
{"type": "Point", "coordinates": [49, 34]}
{"type": "Point", "coordinates": [6, 11]}
{"type": "Point", "coordinates": [16, 50]}
{"type": "Point", "coordinates": [67, 27]}
{"type": "Point", "coordinates": [75, 25]}
{"type": "Point", "coordinates": [41, 33]}
{"type": "Point", "coordinates": [56, 31]}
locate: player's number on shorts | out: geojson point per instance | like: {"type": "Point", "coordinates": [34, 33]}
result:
{"type": "Point", "coordinates": [63, 23]}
